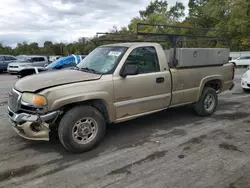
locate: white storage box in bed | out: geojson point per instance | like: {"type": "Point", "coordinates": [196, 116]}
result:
{"type": "Point", "coordinates": [197, 57]}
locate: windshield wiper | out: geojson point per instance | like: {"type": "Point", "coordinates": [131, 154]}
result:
{"type": "Point", "coordinates": [90, 70]}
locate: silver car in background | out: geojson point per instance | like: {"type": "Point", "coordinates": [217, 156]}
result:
{"type": "Point", "coordinates": [26, 61]}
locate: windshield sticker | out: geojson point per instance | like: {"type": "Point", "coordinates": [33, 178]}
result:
{"type": "Point", "coordinates": [114, 53]}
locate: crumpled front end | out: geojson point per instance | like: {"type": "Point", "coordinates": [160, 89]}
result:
{"type": "Point", "coordinates": [32, 127]}
{"type": "Point", "coordinates": [27, 121]}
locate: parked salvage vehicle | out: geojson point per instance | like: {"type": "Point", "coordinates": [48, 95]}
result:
{"type": "Point", "coordinates": [241, 61]}
{"type": "Point", "coordinates": [116, 83]}
{"type": "Point", "coordinates": [62, 63]}
{"type": "Point", "coordinates": [27, 61]}
{"type": "Point", "coordinates": [5, 60]}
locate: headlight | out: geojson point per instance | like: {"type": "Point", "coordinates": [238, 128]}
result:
{"type": "Point", "coordinates": [245, 75]}
{"type": "Point", "coordinates": [23, 65]}
{"type": "Point", "coordinates": [34, 99]}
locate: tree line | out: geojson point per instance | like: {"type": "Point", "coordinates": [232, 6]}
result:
{"type": "Point", "coordinates": [227, 18]}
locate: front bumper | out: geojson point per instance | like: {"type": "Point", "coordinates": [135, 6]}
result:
{"type": "Point", "coordinates": [14, 70]}
{"type": "Point", "coordinates": [32, 127]}
{"type": "Point", "coordinates": [245, 83]}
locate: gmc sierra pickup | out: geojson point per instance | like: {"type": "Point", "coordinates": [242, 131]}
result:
{"type": "Point", "coordinates": [116, 83]}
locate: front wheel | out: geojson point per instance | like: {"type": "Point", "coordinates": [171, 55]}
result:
{"type": "Point", "coordinates": [81, 129]}
{"type": "Point", "coordinates": [207, 103]}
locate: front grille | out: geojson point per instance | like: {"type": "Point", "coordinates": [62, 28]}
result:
{"type": "Point", "coordinates": [28, 109]}
{"type": "Point", "coordinates": [14, 100]}
{"type": "Point", "coordinates": [13, 66]}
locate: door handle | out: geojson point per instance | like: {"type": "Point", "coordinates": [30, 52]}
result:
{"type": "Point", "coordinates": [160, 80]}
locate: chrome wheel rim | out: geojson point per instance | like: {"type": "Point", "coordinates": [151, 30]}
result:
{"type": "Point", "coordinates": [209, 102]}
{"type": "Point", "coordinates": [84, 130]}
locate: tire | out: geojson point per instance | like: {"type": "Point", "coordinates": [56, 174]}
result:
{"type": "Point", "coordinates": [73, 125]}
{"type": "Point", "coordinates": [200, 108]}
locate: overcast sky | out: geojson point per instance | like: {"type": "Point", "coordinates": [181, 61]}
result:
{"type": "Point", "coordinates": [64, 20]}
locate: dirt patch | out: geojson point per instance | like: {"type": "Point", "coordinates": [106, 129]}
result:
{"type": "Point", "coordinates": [151, 157]}
{"type": "Point", "coordinates": [178, 132]}
{"type": "Point", "coordinates": [239, 94]}
{"type": "Point", "coordinates": [186, 148]}
{"type": "Point", "coordinates": [229, 147]}
{"type": "Point", "coordinates": [241, 182]}
{"type": "Point", "coordinates": [196, 140]}
{"type": "Point", "coordinates": [232, 186]}
{"type": "Point", "coordinates": [3, 103]}
{"type": "Point", "coordinates": [224, 104]}
{"type": "Point", "coordinates": [231, 116]}
{"type": "Point", "coordinates": [229, 137]}
{"type": "Point", "coordinates": [220, 132]}
{"type": "Point", "coordinates": [18, 172]}
{"type": "Point", "coordinates": [217, 131]}
{"type": "Point", "coordinates": [181, 156]}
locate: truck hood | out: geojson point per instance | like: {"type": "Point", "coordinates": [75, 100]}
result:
{"type": "Point", "coordinates": [45, 80]}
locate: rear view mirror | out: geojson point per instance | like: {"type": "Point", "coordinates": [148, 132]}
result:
{"type": "Point", "coordinates": [129, 69]}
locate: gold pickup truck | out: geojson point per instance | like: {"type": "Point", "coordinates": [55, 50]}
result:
{"type": "Point", "coordinates": [116, 83]}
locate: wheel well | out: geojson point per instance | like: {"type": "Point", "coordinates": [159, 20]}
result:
{"type": "Point", "coordinates": [215, 84]}
{"type": "Point", "coordinates": [99, 104]}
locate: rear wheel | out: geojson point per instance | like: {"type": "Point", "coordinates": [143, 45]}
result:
{"type": "Point", "coordinates": [207, 103]}
{"type": "Point", "coordinates": [81, 129]}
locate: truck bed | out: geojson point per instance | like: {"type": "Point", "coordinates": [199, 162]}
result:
{"type": "Point", "coordinates": [187, 82]}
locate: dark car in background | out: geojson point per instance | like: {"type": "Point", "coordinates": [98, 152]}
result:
{"type": "Point", "coordinates": [5, 60]}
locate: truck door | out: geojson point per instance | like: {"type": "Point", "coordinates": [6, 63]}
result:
{"type": "Point", "coordinates": [148, 91]}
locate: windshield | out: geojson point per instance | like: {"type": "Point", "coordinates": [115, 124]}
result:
{"type": "Point", "coordinates": [103, 59]}
{"type": "Point", "coordinates": [23, 59]}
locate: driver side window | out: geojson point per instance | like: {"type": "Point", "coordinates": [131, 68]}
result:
{"type": "Point", "coordinates": [145, 58]}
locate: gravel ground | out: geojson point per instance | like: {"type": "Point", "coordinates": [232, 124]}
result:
{"type": "Point", "coordinates": [173, 148]}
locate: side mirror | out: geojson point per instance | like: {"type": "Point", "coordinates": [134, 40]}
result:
{"type": "Point", "coordinates": [129, 69]}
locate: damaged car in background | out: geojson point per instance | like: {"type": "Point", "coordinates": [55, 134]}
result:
{"type": "Point", "coordinates": [62, 63]}
{"type": "Point", "coordinates": [117, 83]}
